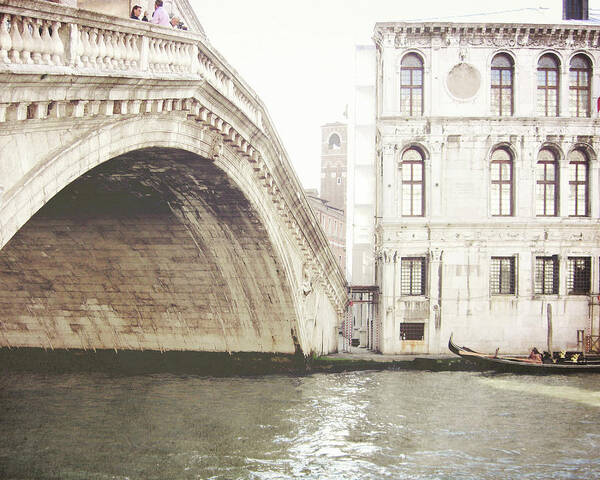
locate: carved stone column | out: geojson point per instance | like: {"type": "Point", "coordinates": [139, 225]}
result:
{"type": "Point", "coordinates": [435, 295]}
{"type": "Point", "coordinates": [390, 77]}
{"type": "Point", "coordinates": [388, 183]}
{"type": "Point", "coordinates": [388, 299]}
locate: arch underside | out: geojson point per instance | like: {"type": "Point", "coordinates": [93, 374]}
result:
{"type": "Point", "coordinates": [155, 249]}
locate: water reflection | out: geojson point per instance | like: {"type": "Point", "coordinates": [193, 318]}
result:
{"type": "Point", "coordinates": [367, 425]}
{"type": "Point", "coordinates": [529, 386]}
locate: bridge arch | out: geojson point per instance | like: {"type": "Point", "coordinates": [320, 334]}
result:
{"type": "Point", "coordinates": [152, 88]}
{"type": "Point", "coordinates": [262, 287]}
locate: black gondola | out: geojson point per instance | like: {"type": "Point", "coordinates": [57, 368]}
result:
{"type": "Point", "coordinates": [522, 364]}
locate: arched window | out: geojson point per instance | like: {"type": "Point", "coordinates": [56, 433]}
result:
{"type": "Point", "coordinates": [580, 76]}
{"type": "Point", "coordinates": [334, 141]}
{"type": "Point", "coordinates": [501, 183]}
{"type": "Point", "coordinates": [411, 85]}
{"type": "Point", "coordinates": [413, 181]}
{"type": "Point", "coordinates": [547, 89]}
{"type": "Point", "coordinates": [546, 188]}
{"type": "Point", "coordinates": [578, 184]}
{"type": "Point", "coordinates": [502, 85]}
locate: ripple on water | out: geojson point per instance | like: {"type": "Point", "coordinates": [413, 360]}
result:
{"type": "Point", "coordinates": [359, 425]}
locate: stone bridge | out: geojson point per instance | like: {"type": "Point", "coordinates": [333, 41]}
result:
{"type": "Point", "coordinates": [146, 201]}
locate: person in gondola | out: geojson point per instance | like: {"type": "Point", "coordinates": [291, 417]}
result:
{"type": "Point", "coordinates": [535, 356]}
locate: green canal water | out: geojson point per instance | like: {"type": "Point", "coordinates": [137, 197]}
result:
{"type": "Point", "coordinates": [358, 425]}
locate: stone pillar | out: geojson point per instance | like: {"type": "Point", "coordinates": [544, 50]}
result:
{"type": "Point", "coordinates": [433, 178]}
{"type": "Point", "coordinates": [389, 103]}
{"type": "Point", "coordinates": [524, 77]}
{"type": "Point", "coordinates": [3, 109]}
{"type": "Point", "coordinates": [144, 54]}
{"type": "Point", "coordinates": [388, 184]}
{"type": "Point", "coordinates": [563, 108]}
{"type": "Point", "coordinates": [563, 194]}
{"type": "Point", "coordinates": [525, 182]}
{"type": "Point", "coordinates": [594, 96]}
{"type": "Point", "coordinates": [435, 295]}
{"type": "Point", "coordinates": [73, 45]}
{"type": "Point", "coordinates": [593, 187]}
{"type": "Point", "coordinates": [388, 301]}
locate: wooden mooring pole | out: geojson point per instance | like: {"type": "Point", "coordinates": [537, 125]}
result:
{"type": "Point", "coordinates": [549, 313]}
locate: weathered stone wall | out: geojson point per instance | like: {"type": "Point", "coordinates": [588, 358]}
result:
{"type": "Point", "coordinates": [458, 233]}
{"type": "Point", "coordinates": [118, 8]}
{"type": "Point", "coordinates": [152, 250]}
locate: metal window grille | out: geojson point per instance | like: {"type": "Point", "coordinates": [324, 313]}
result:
{"type": "Point", "coordinates": [412, 276]}
{"type": "Point", "coordinates": [580, 274]}
{"type": "Point", "coordinates": [347, 330]}
{"type": "Point", "coordinates": [364, 304]}
{"type": "Point", "coordinates": [412, 331]}
{"type": "Point", "coordinates": [502, 276]}
{"type": "Point", "coordinates": [546, 275]}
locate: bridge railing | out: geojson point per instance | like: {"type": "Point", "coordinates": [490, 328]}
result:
{"type": "Point", "coordinates": [35, 40]}
{"type": "Point", "coordinates": [67, 40]}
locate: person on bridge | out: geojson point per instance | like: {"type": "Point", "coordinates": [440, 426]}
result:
{"type": "Point", "coordinates": [177, 23]}
{"type": "Point", "coordinates": [136, 11]}
{"type": "Point", "coordinates": [160, 15]}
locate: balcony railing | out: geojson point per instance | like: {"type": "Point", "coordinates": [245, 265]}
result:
{"type": "Point", "coordinates": [49, 38]}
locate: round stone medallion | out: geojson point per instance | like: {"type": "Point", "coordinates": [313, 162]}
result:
{"type": "Point", "coordinates": [463, 81]}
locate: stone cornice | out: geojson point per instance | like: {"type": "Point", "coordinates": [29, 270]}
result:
{"type": "Point", "coordinates": [494, 35]}
{"type": "Point", "coordinates": [394, 128]}
{"type": "Point", "coordinates": [493, 225]}
{"type": "Point", "coordinates": [393, 120]}
{"type": "Point", "coordinates": [561, 235]}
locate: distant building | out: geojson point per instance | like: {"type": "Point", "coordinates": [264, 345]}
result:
{"type": "Point", "coordinates": [332, 221]}
{"type": "Point", "coordinates": [334, 159]}
{"type": "Point", "coordinates": [475, 196]}
{"type": "Point", "coordinates": [360, 208]}
{"type": "Point", "coordinates": [330, 205]}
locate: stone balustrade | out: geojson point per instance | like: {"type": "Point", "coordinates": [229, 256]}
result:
{"type": "Point", "coordinates": [30, 40]}
{"type": "Point", "coordinates": [27, 40]}
{"type": "Point", "coordinates": [49, 38]}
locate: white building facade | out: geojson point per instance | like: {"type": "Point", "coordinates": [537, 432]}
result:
{"type": "Point", "coordinates": [487, 192]}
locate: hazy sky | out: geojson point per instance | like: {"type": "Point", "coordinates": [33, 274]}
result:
{"type": "Point", "coordinates": [298, 55]}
